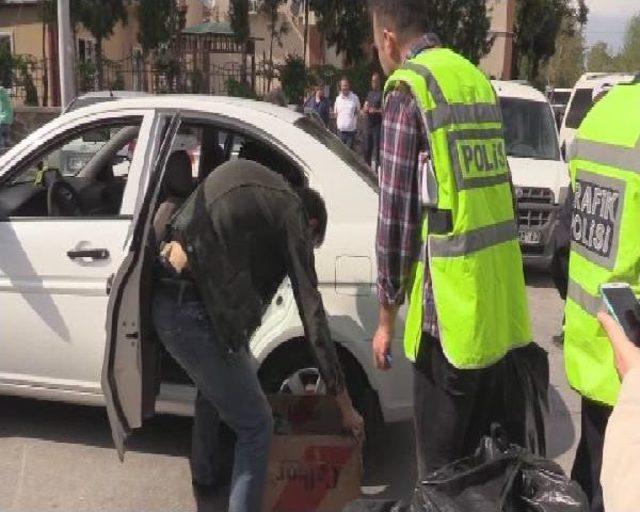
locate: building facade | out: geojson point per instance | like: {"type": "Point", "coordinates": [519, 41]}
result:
{"type": "Point", "coordinates": [497, 64]}
{"type": "Point", "coordinates": [24, 33]}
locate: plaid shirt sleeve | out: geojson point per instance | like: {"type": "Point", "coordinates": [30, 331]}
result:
{"type": "Point", "coordinates": [399, 213]}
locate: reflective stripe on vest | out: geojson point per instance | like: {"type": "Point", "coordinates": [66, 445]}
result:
{"type": "Point", "coordinates": [472, 241]}
{"type": "Point", "coordinates": [607, 154]}
{"type": "Point", "coordinates": [605, 175]}
{"type": "Point", "coordinates": [468, 153]}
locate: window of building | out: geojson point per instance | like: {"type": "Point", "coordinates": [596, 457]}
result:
{"type": "Point", "coordinates": [253, 6]}
{"type": "Point", "coordinates": [86, 50]}
{"type": "Point", "coordinates": [6, 42]}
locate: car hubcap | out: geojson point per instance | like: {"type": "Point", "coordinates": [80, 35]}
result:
{"type": "Point", "coordinates": [304, 382]}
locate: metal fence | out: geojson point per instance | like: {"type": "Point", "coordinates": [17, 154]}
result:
{"type": "Point", "coordinates": [31, 84]}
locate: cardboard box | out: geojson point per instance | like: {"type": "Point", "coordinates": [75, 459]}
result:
{"type": "Point", "coordinates": [313, 467]}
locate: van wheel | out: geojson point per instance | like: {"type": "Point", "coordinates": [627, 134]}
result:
{"type": "Point", "coordinates": [292, 369]}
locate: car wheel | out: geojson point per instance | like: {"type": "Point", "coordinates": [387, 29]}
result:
{"type": "Point", "coordinates": [292, 369]}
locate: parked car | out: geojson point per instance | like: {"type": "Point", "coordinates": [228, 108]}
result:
{"type": "Point", "coordinates": [540, 176]}
{"type": "Point", "coordinates": [74, 258]}
{"type": "Point", "coordinates": [582, 100]}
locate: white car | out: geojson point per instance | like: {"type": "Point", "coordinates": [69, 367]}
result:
{"type": "Point", "coordinates": [74, 259]}
{"type": "Point", "coordinates": [540, 176]}
{"type": "Point", "coordinates": [582, 100]}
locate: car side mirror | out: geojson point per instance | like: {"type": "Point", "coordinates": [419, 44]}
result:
{"type": "Point", "coordinates": [563, 151]}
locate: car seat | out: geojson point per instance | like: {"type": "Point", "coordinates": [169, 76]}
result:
{"type": "Point", "coordinates": [177, 186]}
{"type": "Point", "coordinates": [211, 155]}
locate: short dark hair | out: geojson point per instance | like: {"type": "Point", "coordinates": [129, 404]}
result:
{"type": "Point", "coordinates": [316, 209]}
{"type": "Point", "coordinates": [408, 18]}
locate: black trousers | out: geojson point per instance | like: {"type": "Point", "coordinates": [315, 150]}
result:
{"type": "Point", "coordinates": [588, 463]}
{"type": "Point", "coordinates": [372, 144]}
{"type": "Point", "coordinates": [455, 408]}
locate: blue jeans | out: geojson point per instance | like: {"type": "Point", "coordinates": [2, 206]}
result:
{"type": "Point", "coordinates": [230, 384]}
{"type": "Point", "coordinates": [347, 138]}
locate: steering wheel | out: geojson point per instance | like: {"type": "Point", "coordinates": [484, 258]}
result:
{"type": "Point", "coordinates": [63, 200]}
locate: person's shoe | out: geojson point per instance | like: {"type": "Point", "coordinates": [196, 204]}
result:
{"type": "Point", "coordinates": [204, 491]}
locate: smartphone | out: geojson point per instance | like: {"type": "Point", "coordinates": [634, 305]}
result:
{"type": "Point", "coordinates": [622, 305]}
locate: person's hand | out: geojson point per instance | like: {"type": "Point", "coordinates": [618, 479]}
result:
{"type": "Point", "coordinates": [382, 347]}
{"type": "Point", "coordinates": [176, 256]}
{"type": "Point", "coordinates": [352, 422]}
{"type": "Point", "coordinates": [626, 353]}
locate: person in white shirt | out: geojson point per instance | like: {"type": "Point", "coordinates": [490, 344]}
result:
{"type": "Point", "coordinates": [346, 109]}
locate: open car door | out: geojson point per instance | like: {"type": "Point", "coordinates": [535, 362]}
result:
{"type": "Point", "coordinates": [129, 366]}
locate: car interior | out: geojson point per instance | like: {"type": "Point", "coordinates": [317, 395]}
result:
{"type": "Point", "coordinates": [80, 176]}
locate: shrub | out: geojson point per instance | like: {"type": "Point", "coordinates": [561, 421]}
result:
{"type": "Point", "coordinates": [294, 78]}
{"type": "Point", "coordinates": [239, 89]}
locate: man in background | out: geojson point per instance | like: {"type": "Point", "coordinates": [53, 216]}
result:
{"type": "Point", "coordinates": [319, 104]}
{"type": "Point", "coordinates": [6, 118]}
{"type": "Point", "coordinates": [346, 110]}
{"type": "Point", "coordinates": [373, 112]}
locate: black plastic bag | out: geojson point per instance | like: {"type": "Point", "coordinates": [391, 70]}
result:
{"type": "Point", "coordinates": [525, 387]}
{"type": "Point", "coordinates": [499, 478]}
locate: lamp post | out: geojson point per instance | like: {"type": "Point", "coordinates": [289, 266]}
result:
{"type": "Point", "coordinates": [66, 52]}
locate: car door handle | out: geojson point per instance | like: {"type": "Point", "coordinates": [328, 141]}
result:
{"type": "Point", "coordinates": [94, 254]}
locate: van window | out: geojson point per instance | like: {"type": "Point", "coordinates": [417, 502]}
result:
{"type": "Point", "coordinates": [560, 97]}
{"type": "Point", "coordinates": [530, 129]}
{"type": "Point", "coordinates": [580, 106]}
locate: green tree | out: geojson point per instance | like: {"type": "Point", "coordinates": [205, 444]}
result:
{"type": "Point", "coordinates": [277, 30]}
{"type": "Point", "coordinates": [346, 24]}
{"type": "Point", "coordinates": [159, 22]}
{"type": "Point", "coordinates": [462, 25]}
{"type": "Point", "coordinates": [600, 58]}
{"type": "Point", "coordinates": [567, 64]}
{"type": "Point", "coordinates": [239, 19]}
{"type": "Point", "coordinates": [100, 18]}
{"type": "Point", "coordinates": [294, 78]}
{"type": "Point", "coordinates": [538, 23]}
{"type": "Point", "coordinates": [629, 58]}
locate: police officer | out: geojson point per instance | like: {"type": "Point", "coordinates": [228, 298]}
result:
{"type": "Point", "coordinates": [600, 219]}
{"type": "Point", "coordinates": [447, 235]}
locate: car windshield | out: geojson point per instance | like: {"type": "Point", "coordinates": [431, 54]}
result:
{"type": "Point", "coordinates": [328, 139]}
{"type": "Point", "coordinates": [579, 108]}
{"type": "Point", "coordinates": [530, 129]}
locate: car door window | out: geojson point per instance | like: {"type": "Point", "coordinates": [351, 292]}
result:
{"type": "Point", "coordinates": [82, 174]}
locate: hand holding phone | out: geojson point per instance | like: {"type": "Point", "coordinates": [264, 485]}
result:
{"type": "Point", "coordinates": [622, 305]}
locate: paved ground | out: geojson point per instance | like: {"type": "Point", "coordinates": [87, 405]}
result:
{"type": "Point", "coordinates": [56, 457]}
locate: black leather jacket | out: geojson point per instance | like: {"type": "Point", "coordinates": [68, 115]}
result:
{"type": "Point", "coordinates": [244, 229]}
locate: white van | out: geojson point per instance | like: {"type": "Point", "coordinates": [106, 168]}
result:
{"type": "Point", "coordinates": [540, 176]}
{"type": "Point", "coordinates": [582, 100]}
